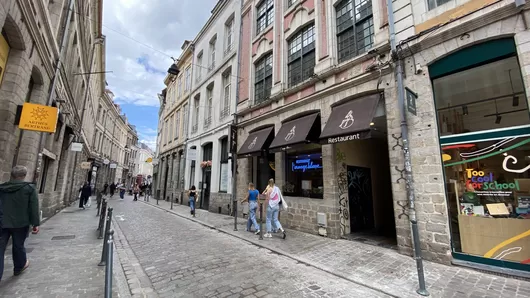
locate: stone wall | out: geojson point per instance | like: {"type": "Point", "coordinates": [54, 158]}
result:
{"type": "Point", "coordinates": [221, 200]}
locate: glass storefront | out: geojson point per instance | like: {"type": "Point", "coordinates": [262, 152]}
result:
{"type": "Point", "coordinates": [484, 127]}
{"type": "Point", "coordinates": [304, 174]}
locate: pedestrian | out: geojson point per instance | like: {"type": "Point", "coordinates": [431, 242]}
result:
{"type": "Point", "coordinates": [193, 198]}
{"type": "Point", "coordinates": [105, 188]}
{"type": "Point", "coordinates": [135, 192]}
{"type": "Point", "coordinates": [272, 202]}
{"type": "Point", "coordinates": [20, 205]}
{"type": "Point", "coordinates": [86, 192]}
{"type": "Point", "coordinates": [112, 189]}
{"type": "Point", "coordinates": [252, 199]}
{"type": "Point", "coordinates": [121, 187]}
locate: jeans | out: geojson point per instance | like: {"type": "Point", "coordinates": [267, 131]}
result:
{"type": "Point", "coordinates": [252, 208]}
{"type": "Point", "coordinates": [122, 194]}
{"type": "Point", "coordinates": [192, 205]}
{"type": "Point", "coordinates": [82, 201]}
{"type": "Point", "coordinates": [136, 196]}
{"type": "Point", "coordinates": [272, 218]}
{"type": "Point", "coordinates": [19, 251]}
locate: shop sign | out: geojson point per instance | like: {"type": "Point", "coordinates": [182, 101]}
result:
{"type": "Point", "coordinates": [233, 138]}
{"type": "Point", "coordinates": [355, 136]}
{"type": "Point", "coordinates": [113, 165]}
{"type": "Point", "coordinates": [486, 185]}
{"type": "Point", "coordinates": [77, 147]}
{"type": "Point", "coordinates": [4, 52]}
{"type": "Point", "coordinates": [38, 118]}
{"type": "Point", "coordinates": [86, 165]}
{"type": "Point", "coordinates": [304, 165]}
{"type": "Point", "coordinates": [106, 161]}
{"type": "Point", "coordinates": [191, 154]}
{"type": "Point", "coordinates": [411, 97]}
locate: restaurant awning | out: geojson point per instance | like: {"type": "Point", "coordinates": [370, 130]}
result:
{"type": "Point", "coordinates": [257, 141]}
{"type": "Point", "coordinates": [301, 130]}
{"type": "Point", "coordinates": [350, 120]}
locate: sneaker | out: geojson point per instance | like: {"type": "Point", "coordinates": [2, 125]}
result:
{"type": "Point", "coordinates": [284, 234]}
{"type": "Point", "coordinates": [268, 235]}
{"type": "Point", "coordinates": [20, 272]}
{"type": "Point", "coordinates": [257, 232]}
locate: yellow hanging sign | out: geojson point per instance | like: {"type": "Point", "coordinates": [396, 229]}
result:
{"type": "Point", "coordinates": [38, 118]}
{"type": "Point", "coordinates": [150, 159]}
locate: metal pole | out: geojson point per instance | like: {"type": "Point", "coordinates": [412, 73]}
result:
{"type": "Point", "coordinates": [171, 201]}
{"type": "Point", "coordinates": [260, 221]}
{"type": "Point", "coordinates": [108, 267]}
{"type": "Point", "coordinates": [107, 229]}
{"type": "Point", "coordinates": [408, 168]}
{"type": "Point", "coordinates": [64, 41]}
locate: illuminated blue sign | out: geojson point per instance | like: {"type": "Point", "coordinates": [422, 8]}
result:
{"type": "Point", "coordinates": [304, 165]}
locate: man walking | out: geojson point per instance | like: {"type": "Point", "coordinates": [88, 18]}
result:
{"type": "Point", "coordinates": [20, 206]}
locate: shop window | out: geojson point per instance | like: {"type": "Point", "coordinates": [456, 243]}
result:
{"type": "Point", "coordinates": [301, 56]}
{"type": "Point", "coordinates": [432, 4]}
{"type": "Point", "coordinates": [483, 98]}
{"type": "Point", "coordinates": [263, 79]}
{"type": "Point", "coordinates": [224, 175]}
{"type": "Point", "coordinates": [488, 193]}
{"type": "Point", "coordinates": [304, 175]}
{"type": "Point", "coordinates": [46, 162]}
{"type": "Point", "coordinates": [355, 28]}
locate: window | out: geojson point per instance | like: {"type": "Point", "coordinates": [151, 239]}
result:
{"type": "Point", "coordinates": [46, 161]}
{"type": "Point", "coordinates": [199, 67]}
{"type": "Point", "coordinates": [225, 109]}
{"type": "Point", "coordinates": [224, 175]}
{"type": "Point", "coordinates": [229, 28]}
{"type": "Point", "coordinates": [355, 28]}
{"type": "Point", "coordinates": [212, 54]}
{"type": "Point", "coordinates": [290, 2]}
{"type": "Point", "coordinates": [432, 4]}
{"type": "Point", "coordinates": [177, 124]}
{"type": "Point", "coordinates": [185, 111]}
{"type": "Point", "coordinates": [304, 175]}
{"type": "Point", "coordinates": [263, 79]}
{"type": "Point", "coordinates": [99, 113]}
{"type": "Point", "coordinates": [208, 110]}
{"type": "Point", "coordinates": [188, 78]}
{"type": "Point", "coordinates": [179, 87]}
{"type": "Point", "coordinates": [165, 132]}
{"type": "Point", "coordinates": [265, 15]}
{"type": "Point", "coordinates": [301, 56]}
{"type": "Point", "coordinates": [196, 114]}
{"type": "Point", "coordinates": [192, 169]}
{"type": "Point", "coordinates": [487, 97]}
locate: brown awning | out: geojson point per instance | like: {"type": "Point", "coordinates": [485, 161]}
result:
{"type": "Point", "coordinates": [257, 141]}
{"type": "Point", "coordinates": [301, 130]}
{"type": "Point", "coordinates": [350, 120]}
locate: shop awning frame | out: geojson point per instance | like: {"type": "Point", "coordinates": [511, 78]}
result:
{"type": "Point", "coordinates": [257, 141]}
{"type": "Point", "coordinates": [295, 131]}
{"type": "Point", "coordinates": [350, 120]}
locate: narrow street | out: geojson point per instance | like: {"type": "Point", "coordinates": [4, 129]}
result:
{"type": "Point", "coordinates": [185, 259]}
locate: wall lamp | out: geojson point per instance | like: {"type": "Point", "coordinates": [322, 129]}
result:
{"type": "Point", "coordinates": [173, 70]}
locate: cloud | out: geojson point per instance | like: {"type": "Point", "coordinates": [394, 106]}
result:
{"type": "Point", "coordinates": [161, 26]}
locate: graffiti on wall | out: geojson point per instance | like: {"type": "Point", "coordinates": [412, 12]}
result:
{"type": "Point", "coordinates": [342, 183]}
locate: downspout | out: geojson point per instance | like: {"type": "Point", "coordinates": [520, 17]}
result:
{"type": "Point", "coordinates": [406, 151]}
{"type": "Point", "coordinates": [234, 121]}
{"type": "Point", "coordinates": [192, 46]}
{"type": "Point", "coordinates": [62, 49]}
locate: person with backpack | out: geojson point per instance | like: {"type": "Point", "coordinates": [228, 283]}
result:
{"type": "Point", "coordinates": [192, 199]}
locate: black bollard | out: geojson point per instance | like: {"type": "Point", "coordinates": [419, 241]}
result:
{"type": "Point", "coordinates": [157, 200]}
{"type": "Point", "coordinates": [108, 268]}
{"type": "Point", "coordinates": [260, 221]}
{"type": "Point", "coordinates": [99, 198]}
{"type": "Point", "coordinates": [102, 216]}
{"type": "Point", "coordinates": [107, 229]}
{"type": "Point", "coordinates": [171, 201]}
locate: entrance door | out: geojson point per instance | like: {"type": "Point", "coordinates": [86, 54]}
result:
{"type": "Point", "coordinates": [360, 198]}
{"type": "Point", "coordinates": [165, 182]}
{"type": "Point", "coordinates": [206, 177]}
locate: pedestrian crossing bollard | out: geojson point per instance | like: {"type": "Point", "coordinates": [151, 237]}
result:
{"type": "Point", "coordinates": [102, 216]}
{"type": "Point", "coordinates": [260, 221]}
{"type": "Point", "coordinates": [108, 268]}
{"type": "Point", "coordinates": [171, 201]}
{"type": "Point", "coordinates": [107, 229]}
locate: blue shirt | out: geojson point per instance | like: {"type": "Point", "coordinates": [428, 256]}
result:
{"type": "Point", "coordinates": [253, 195]}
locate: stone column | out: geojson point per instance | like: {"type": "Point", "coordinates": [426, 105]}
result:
{"type": "Point", "coordinates": [330, 204]}
{"type": "Point", "coordinates": [170, 182]}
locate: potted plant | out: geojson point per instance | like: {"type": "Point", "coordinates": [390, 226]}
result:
{"type": "Point", "coordinates": [206, 164]}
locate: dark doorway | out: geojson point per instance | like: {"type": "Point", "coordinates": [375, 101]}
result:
{"type": "Point", "coordinates": [360, 198]}
{"type": "Point", "coordinates": [165, 182]}
{"type": "Point", "coordinates": [264, 171]}
{"type": "Point", "coordinates": [206, 177]}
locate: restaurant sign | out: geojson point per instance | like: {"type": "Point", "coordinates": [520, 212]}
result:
{"type": "Point", "coordinates": [304, 165]}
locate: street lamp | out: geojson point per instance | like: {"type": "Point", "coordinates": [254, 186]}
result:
{"type": "Point", "coordinates": [173, 70]}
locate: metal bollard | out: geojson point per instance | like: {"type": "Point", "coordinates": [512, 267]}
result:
{"type": "Point", "coordinates": [260, 221]}
{"type": "Point", "coordinates": [157, 197]}
{"type": "Point", "coordinates": [107, 229]}
{"type": "Point", "coordinates": [102, 217]}
{"type": "Point", "coordinates": [99, 198]}
{"type": "Point", "coordinates": [171, 201]}
{"type": "Point", "coordinates": [108, 268]}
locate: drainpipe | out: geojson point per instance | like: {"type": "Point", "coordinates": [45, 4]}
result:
{"type": "Point", "coordinates": [188, 106]}
{"type": "Point", "coordinates": [234, 121]}
{"type": "Point", "coordinates": [62, 49]}
{"type": "Point", "coordinates": [408, 168]}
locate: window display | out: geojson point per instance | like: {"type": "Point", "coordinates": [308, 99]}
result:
{"type": "Point", "coordinates": [304, 175]}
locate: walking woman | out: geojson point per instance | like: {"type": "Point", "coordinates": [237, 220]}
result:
{"type": "Point", "coordinates": [86, 192]}
{"type": "Point", "coordinates": [273, 207]}
{"type": "Point", "coordinates": [193, 198]}
{"type": "Point", "coordinates": [135, 192]}
{"type": "Point", "coordinates": [252, 199]}
{"type": "Point", "coordinates": [121, 187]}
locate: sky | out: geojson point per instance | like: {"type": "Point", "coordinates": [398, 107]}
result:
{"type": "Point", "coordinates": [158, 29]}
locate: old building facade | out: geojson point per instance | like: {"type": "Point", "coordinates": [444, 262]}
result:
{"type": "Point", "coordinates": [174, 125]}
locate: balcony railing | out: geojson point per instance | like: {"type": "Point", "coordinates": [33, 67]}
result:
{"type": "Point", "coordinates": [194, 128]}
{"type": "Point", "coordinates": [207, 121]}
{"type": "Point", "coordinates": [228, 49]}
{"type": "Point", "coordinates": [225, 112]}
{"type": "Point", "coordinates": [211, 66]}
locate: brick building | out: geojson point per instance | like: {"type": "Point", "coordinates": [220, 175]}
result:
{"type": "Point", "coordinates": [318, 112]}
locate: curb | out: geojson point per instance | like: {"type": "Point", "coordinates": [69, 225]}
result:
{"type": "Point", "coordinates": [275, 250]}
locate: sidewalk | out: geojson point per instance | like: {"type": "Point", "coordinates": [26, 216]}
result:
{"type": "Point", "coordinates": [372, 266]}
{"type": "Point", "coordinates": [63, 257]}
